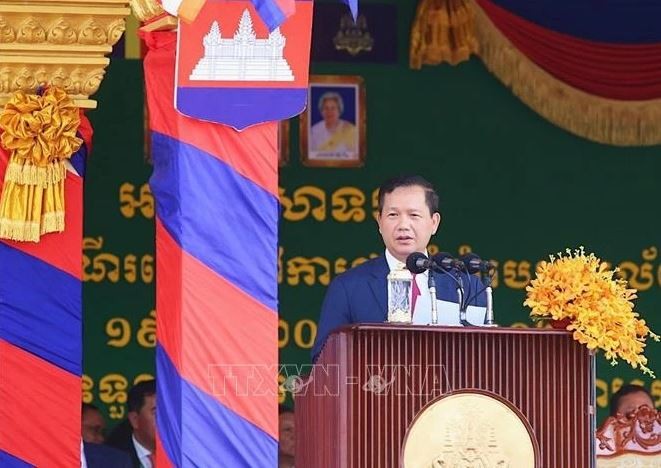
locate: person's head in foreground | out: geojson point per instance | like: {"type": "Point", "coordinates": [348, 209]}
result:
{"type": "Point", "coordinates": [629, 398]}
{"type": "Point", "coordinates": [142, 413]}
{"type": "Point", "coordinates": [93, 424]}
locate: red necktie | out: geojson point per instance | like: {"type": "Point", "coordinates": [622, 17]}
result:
{"type": "Point", "coordinates": [152, 460]}
{"type": "Point", "coordinates": [416, 294]}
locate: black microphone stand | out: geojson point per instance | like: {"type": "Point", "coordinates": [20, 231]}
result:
{"type": "Point", "coordinates": [463, 303]}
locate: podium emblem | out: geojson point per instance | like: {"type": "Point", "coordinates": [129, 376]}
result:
{"type": "Point", "coordinates": [468, 430]}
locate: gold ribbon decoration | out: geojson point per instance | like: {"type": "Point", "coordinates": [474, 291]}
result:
{"type": "Point", "coordinates": [443, 31]}
{"type": "Point", "coordinates": [39, 131]}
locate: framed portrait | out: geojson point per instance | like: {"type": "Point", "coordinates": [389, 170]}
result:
{"type": "Point", "coordinates": [333, 127]}
{"type": "Point", "coordinates": [283, 143]}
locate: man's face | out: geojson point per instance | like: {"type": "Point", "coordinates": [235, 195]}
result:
{"type": "Point", "coordinates": [287, 434]}
{"type": "Point", "coordinates": [93, 426]}
{"type": "Point", "coordinates": [330, 111]}
{"type": "Point", "coordinates": [405, 222]}
{"type": "Point", "coordinates": [144, 423]}
{"type": "Point", "coordinates": [631, 402]}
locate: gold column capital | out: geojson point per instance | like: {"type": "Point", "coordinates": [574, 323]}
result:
{"type": "Point", "coordinates": [60, 42]}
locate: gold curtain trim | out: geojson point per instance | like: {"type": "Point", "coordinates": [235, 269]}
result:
{"type": "Point", "coordinates": [19, 230]}
{"type": "Point", "coordinates": [451, 30]}
{"type": "Point", "coordinates": [29, 174]}
{"type": "Point", "coordinates": [443, 31]}
{"type": "Point", "coordinates": [52, 222]}
{"type": "Point", "coordinates": [608, 121]}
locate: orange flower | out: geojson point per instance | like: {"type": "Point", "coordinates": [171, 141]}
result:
{"type": "Point", "coordinates": [600, 308]}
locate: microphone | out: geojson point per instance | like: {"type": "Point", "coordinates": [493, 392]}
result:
{"type": "Point", "coordinates": [443, 261]}
{"type": "Point", "coordinates": [418, 262]}
{"type": "Point", "coordinates": [475, 264]}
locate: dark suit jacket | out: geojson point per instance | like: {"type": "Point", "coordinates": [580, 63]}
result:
{"type": "Point", "coordinates": [121, 439]}
{"type": "Point", "coordinates": [360, 295]}
{"type": "Point", "coordinates": [102, 456]}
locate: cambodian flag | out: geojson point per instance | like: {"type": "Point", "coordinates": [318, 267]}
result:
{"type": "Point", "coordinates": [232, 69]}
{"type": "Point", "coordinates": [216, 194]}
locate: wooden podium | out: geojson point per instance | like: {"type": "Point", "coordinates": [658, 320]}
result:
{"type": "Point", "coordinates": [371, 382]}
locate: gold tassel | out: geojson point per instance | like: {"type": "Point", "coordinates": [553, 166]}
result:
{"type": "Point", "coordinates": [608, 121]}
{"type": "Point", "coordinates": [40, 133]}
{"type": "Point", "coordinates": [28, 174]}
{"type": "Point", "coordinates": [52, 217]}
{"type": "Point", "coordinates": [443, 31]}
{"type": "Point", "coordinates": [19, 230]}
{"type": "Point", "coordinates": [52, 222]}
{"type": "Point", "coordinates": [20, 211]}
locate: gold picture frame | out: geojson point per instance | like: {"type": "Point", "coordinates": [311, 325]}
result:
{"type": "Point", "coordinates": [283, 143]}
{"type": "Point", "coordinates": [333, 128]}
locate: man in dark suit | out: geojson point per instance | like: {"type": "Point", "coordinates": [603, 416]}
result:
{"type": "Point", "coordinates": [102, 456]}
{"type": "Point", "coordinates": [137, 435]}
{"type": "Point", "coordinates": [408, 217]}
{"type": "Point", "coordinates": [93, 424]}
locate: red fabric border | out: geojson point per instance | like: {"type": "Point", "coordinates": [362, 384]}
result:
{"type": "Point", "coordinates": [614, 71]}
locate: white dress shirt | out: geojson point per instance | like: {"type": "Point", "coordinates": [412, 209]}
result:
{"type": "Point", "coordinates": [83, 460]}
{"type": "Point", "coordinates": [143, 453]}
{"type": "Point", "coordinates": [448, 311]}
{"type": "Point", "coordinates": [422, 310]}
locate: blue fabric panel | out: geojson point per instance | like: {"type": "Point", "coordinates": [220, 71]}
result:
{"type": "Point", "coordinates": [40, 308]}
{"type": "Point", "coordinates": [230, 226]}
{"type": "Point", "coordinates": [10, 461]}
{"type": "Point", "coordinates": [207, 434]}
{"type": "Point", "coordinates": [611, 21]}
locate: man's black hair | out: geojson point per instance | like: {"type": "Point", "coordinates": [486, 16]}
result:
{"type": "Point", "coordinates": [89, 407]}
{"type": "Point", "coordinates": [624, 391]}
{"type": "Point", "coordinates": [138, 393]}
{"type": "Point", "coordinates": [389, 186]}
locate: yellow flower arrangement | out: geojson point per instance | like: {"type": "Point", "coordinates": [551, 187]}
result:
{"type": "Point", "coordinates": [580, 289]}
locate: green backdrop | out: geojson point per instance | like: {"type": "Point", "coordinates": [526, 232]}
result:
{"type": "Point", "coordinates": [513, 187]}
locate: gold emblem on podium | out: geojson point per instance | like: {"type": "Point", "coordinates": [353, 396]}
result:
{"type": "Point", "coordinates": [468, 430]}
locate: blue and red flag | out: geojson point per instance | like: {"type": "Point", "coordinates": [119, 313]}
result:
{"type": "Point", "coordinates": [216, 193]}
{"type": "Point", "coordinates": [41, 335]}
